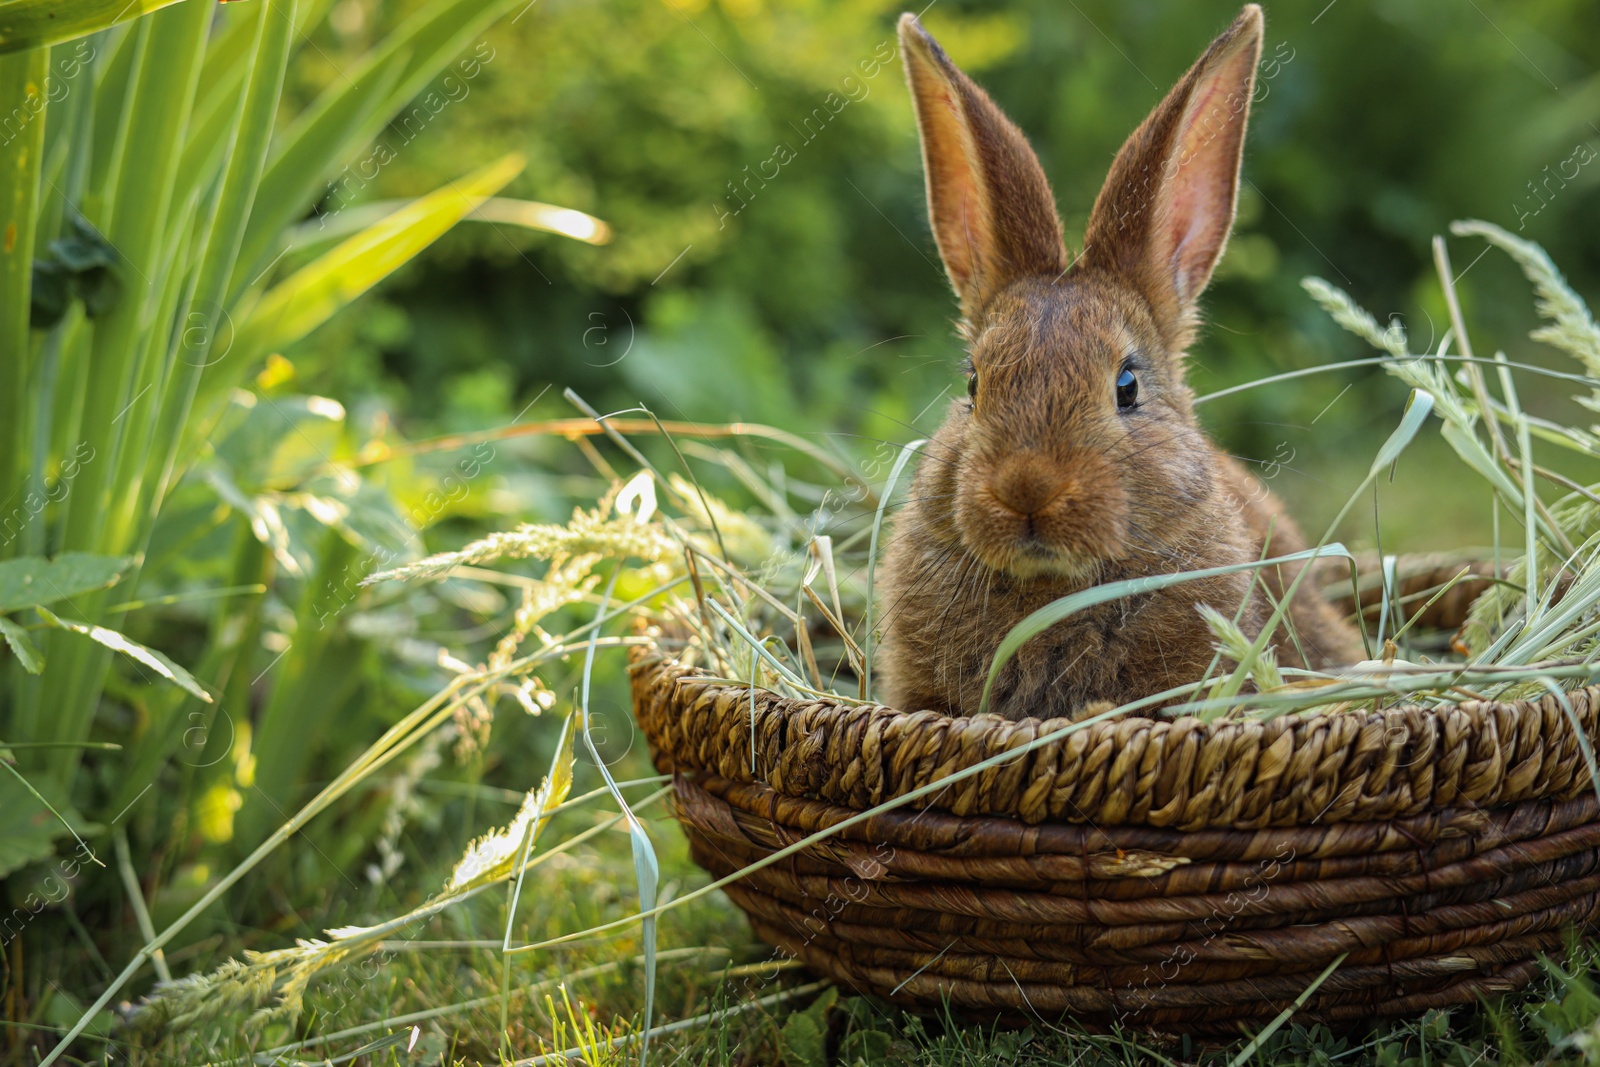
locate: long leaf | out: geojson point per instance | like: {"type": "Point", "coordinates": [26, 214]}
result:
{"type": "Point", "coordinates": [204, 320]}
{"type": "Point", "coordinates": [162, 93]}
{"type": "Point", "coordinates": [310, 297]}
{"type": "Point", "coordinates": [66, 137]}
{"type": "Point", "coordinates": [646, 868]}
{"type": "Point", "coordinates": [37, 23]}
{"type": "Point", "coordinates": [310, 149]}
{"type": "Point", "coordinates": [117, 642]}
{"type": "Point", "coordinates": [234, 38]}
{"type": "Point", "coordinates": [872, 553]}
{"type": "Point", "coordinates": [526, 214]}
{"type": "Point", "coordinates": [248, 140]}
{"type": "Point", "coordinates": [116, 76]}
{"type": "Point", "coordinates": [350, 114]}
{"type": "Point", "coordinates": [22, 88]}
{"type": "Point", "coordinates": [156, 206]}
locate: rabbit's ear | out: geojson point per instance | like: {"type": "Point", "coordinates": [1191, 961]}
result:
{"type": "Point", "coordinates": [992, 212]}
{"type": "Point", "coordinates": [1163, 217]}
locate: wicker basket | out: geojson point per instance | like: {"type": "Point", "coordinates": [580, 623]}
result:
{"type": "Point", "coordinates": [1160, 873]}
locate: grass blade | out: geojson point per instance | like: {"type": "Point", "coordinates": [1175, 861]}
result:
{"type": "Point", "coordinates": [1283, 1016]}
{"type": "Point", "coordinates": [872, 555]}
{"type": "Point", "coordinates": [526, 214]}
{"type": "Point", "coordinates": [313, 294]}
{"type": "Point", "coordinates": [50, 807]}
{"type": "Point", "coordinates": [288, 186]}
{"type": "Point", "coordinates": [141, 913]}
{"type": "Point", "coordinates": [559, 778]}
{"type": "Point", "coordinates": [646, 868]}
{"type": "Point", "coordinates": [1417, 411]}
{"type": "Point", "coordinates": [336, 126]}
{"type": "Point", "coordinates": [1053, 612]}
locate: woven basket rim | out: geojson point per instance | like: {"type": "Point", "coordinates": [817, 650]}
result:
{"type": "Point", "coordinates": [1179, 772]}
{"type": "Point", "coordinates": [1158, 872]}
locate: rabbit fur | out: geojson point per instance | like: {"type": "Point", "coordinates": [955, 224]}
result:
{"type": "Point", "coordinates": [1046, 479]}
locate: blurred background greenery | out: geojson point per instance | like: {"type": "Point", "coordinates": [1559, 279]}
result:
{"type": "Point", "coordinates": [820, 306]}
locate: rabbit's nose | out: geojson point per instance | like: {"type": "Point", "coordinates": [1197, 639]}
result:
{"type": "Point", "coordinates": [1026, 485]}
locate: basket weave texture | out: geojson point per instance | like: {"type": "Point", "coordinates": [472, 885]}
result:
{"type": "Point", "coordinates": [1160, 873]}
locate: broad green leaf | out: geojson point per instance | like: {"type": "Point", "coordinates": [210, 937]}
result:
{"type": "Point", "coordinates": [130, 648]}
{"type": "Point", "coordinates": [805, 1033]}
{"type": "Point", "coordinates": [25, 583]}
{"type": "Point", "coordinates": [281, 439]}
{"type": "Point", "coordinates": [22, 646]}
{"type": "Point", "coordinates": [311, 296]}
{"type": "Point", "coordinates": [33, 23]}
{"type": "Point", "coordinates": [805, 1042]}
{"type": "Point", "coordinates": [1056, 610]}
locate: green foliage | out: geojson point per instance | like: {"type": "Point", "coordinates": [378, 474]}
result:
{"type": "Point", "coordinates": [832, 257]}
{"type": "Point", "coordinates": [805, 1033]}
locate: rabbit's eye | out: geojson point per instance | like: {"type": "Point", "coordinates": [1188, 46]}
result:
{"type": "Point", "coordinates": [1127, 389]}
{"type": "Point", "coordinates": [972, 385]}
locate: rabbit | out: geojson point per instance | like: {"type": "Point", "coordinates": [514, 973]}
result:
{"type": "Point", "coordinates": [1076, 459]}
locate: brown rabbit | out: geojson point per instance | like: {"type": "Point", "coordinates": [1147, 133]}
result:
{"type": "Point", "coordinates": [1076, 459]}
